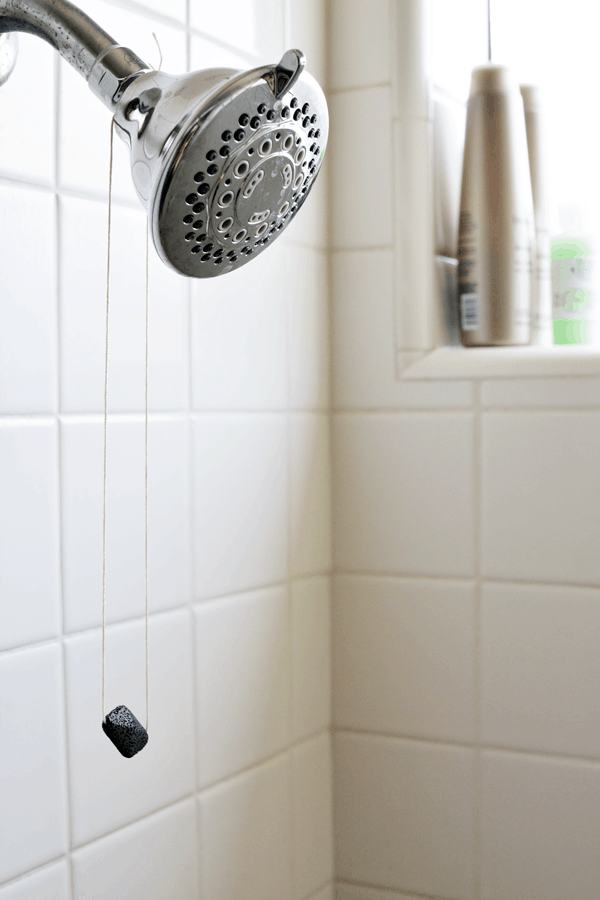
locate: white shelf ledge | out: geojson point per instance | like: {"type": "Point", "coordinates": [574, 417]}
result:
{"type": "Point", "coordinates": [502, 362]}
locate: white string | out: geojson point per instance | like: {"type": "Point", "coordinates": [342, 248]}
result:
{"type": "Point", "coordinates": [105, 449]}
{"type": "Point", "coordinates": [110, 174]}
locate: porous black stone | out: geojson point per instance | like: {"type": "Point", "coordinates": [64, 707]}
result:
{"type": "Point", "coordinates": [127, 734]}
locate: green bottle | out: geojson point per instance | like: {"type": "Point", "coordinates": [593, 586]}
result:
{"type": "Point", "coordinates": [573, 306]}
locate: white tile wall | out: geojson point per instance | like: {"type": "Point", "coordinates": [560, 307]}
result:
{"type": "Point", "coordinates": [501, 488]}
{"type": "Point", "coordinates": [404, 657]}
{"type": "Point", "coordinates": [29, 541]}
{"type": "Point", "coordinates": [404, 815]}
{"type": "Point", "coordinates": [247, 842]}
{"type": "Point", "coordinates": [403, 493]}
{"type": "Point", "coordinates": [238, 370]}
{"type": "Point", "coordinates": [49, 883]}
{"type": "Point", "coordinates": [34, 822]}
{"type": "Point", "coordinates": [154, 858]}
{"type": "Point", "coordinates": [243, 681]}
{"type": "Point", "coordinates": [28, 304]}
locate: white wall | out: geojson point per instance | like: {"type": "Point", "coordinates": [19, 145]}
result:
{"type": "Point", "coordinates": [466, 608]}
{"type": "Point", "coordinates": [231, 797]}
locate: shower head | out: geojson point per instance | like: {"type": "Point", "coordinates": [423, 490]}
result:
{"type": "Point", "coordinates": [221, 159]}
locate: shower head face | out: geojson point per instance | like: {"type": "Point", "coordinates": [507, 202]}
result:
{"type": "Point", "coordinates": [226, 179]}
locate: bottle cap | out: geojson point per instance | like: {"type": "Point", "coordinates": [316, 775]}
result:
{"type": "Point", "coordinates": [498, 79]}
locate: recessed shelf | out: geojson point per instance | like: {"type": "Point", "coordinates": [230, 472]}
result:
{"type": "Point", "coordinates": [503, 362]}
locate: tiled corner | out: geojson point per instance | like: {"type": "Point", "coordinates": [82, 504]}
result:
{"type": "Point", "coordinates": [243, 681]}
{"type": "Point", "coordinates": [164, 770]}
{"type": "Point", "coordinates": [540, 668]}
{"type": "Point", "coordinates": [310, 495]}
{"type": "Point", "coordinates": [403, 493]}
{"type": "Point", "coordinates": [49, 883]}
{"type": "Point", "coordinates": [28, 306]}
{"type": "Point", "coordinates": [311, 656]}
{"type": "Point", "coordinates": [410, 25]}
{"type": "Point", "coordinates": [308, 328]}
{"type": "Point", "coordinates": [540, 497]}
{"type": "Point", "coordinates": [27, 141]}
{"type": "Point", "coordinates": [539, 824]}
{"type": "Point", "coordinates": [29, 539]}
{"type": "Point", "coordinates": [246, 828]}
{"type": "Point", "coordinates": [360, 54]}
{"type": "Point", "coordinates": [352, 113]}
{"type": "Point", "coordinates": [404, 657]}
{"type": "Point", "coordinates": [404, 815]}
{"type": "Point", "coordinates": [364, 363]}
{"type": "Point", "coordinates": [83, 315]}
{"type": "Point", "coordinates": [155, 858]}
{"type": "Point", "coordinates": [239, 352]}
{"type": "Point", "coordinates": [312, 815]}
{"type": "Point", "coordinates": [240, 502]}
{"type": "Point", "coordinates": [33, 817]}
{"type": "Point", "coordinates": [168, 518]}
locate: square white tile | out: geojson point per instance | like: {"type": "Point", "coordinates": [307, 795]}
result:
{"type": "Point", "coordinates": [240, 502]}
{"type": "Point", "coordinates": [155, 858]}
{"type": "Point", "coordinates": [243, 681]}
{"type": "Point", "coordinates": [27, 140]}
{"type": "Point", "coordinates": [364, 340]}
{"type": "Point", "coordinates": [306, 290]}
{"type": "Point", "coordinates": [28, 305]}
{"type": "Point", "coordinates": [310, 494]}
{"type": "Point", "coordinates": [246, 828]}
{"type": "Point", "coordinates": [404, 815]}
{"type": "Point", "coordinates": [33, 816]}
{"type": "Point", "coordinates": [107, 790]}
{"type": "Point", "coordinates": [404, 657]}
{"type": "Point", "coordinates": [253, 26]}
{"type": "Point", "coordinates": [540, 497]}
{"type": "Point", "coordinates": [313, 815]}
{"type": "Point", "coordinates": [84, 137]}
{"type": "Point", "coordinates": [168, 518]}
{"type": "Point", "coordinates": [311, 656]}
{"type": "Point", "coordinates": [540, 668]}
{"type": "Point", "coordinates": [403, 493]}
{"type": "Point", "coordinates": [239, 353]}
{"type": "Point", "coordinates": [83, 315]}
{"type": "Point", "coordinates": [359, 44]}
{"type": "Point", "coordinates": [49, 883]}
{"type": "Point", "coordinates": [354, 115]}
{"type": "Point", "coordinates": [540, 819]}
{"type": "Point", "coordinates": [29, 540]}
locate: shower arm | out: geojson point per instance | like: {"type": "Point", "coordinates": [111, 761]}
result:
{"type": "Point", "coordinates": [107, 66]}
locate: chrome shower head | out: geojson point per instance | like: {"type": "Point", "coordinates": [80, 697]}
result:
{"type": "Point", "coordinates": [221, 159]}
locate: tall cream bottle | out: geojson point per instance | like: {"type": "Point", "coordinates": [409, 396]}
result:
{"type": "Point", "coordinates": [541, 299]}
{"type": "Point", "coordinates": [496, 241]}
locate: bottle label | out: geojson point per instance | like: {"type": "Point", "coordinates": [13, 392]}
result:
{"type": "Point", "coordinates": [469, 312]}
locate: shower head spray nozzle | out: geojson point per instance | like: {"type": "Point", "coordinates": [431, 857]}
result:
{"type": "Point", "coordinates": [221, 159]}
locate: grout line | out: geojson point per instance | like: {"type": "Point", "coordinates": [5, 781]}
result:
{"type": "Point", "coordinates": [337, 92]}
{"type": "Point", "coordinates": [484, 747]}
{"type": "Point", "coordinates": [477, 511]}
